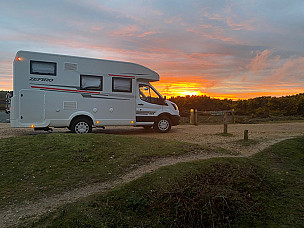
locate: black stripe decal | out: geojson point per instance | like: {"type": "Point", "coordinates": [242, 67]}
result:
{"type": "Point", "coordinates": [145, 118]}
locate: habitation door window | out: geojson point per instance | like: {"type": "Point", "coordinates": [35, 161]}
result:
{"type": "Point", "coordinates": [43, 68]}
{"type": "Point", "coordinates": [90, 82]}
{"type": "Point", "coordinates": [122, 84]}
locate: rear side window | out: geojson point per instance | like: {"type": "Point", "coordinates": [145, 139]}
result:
{"type": "Point", "coordinates": [122, 85]}
{"type": "Point", "coordinates": [91, 82]}
{"type": "Point", "coordinates": [43, 68]}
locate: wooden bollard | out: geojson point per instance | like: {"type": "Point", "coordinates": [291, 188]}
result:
{"type": "Point", "coordinates": [225, 128]}
{"type": "Point", "coordinates": [225, 123]}
{"type": "Point", "coordinates": [193, 116]}
{"type": "Point", "coordinates": [246, 135]}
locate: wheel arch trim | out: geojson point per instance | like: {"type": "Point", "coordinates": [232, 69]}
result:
{"type": "Point", "coordinates": [81, 114]}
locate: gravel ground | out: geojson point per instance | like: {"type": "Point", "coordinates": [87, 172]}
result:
{"type": "Point", "coordinates": [4, 118]}
{"type": "Point", "coordinates": [261, 135]}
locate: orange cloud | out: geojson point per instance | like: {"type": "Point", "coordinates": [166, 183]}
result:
{"type": "Point", "coordinates": [130, 30]}
{"type": "Point", "coordinates": [260, 61]}
{"type": "Point", "coordinates": [6, 83]}
{"type": "Point", "coordinates": [291, 71]}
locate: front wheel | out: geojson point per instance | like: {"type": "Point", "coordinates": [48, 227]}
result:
{"type": "Point", "coordinates": [163, 124]}
{"type": "Point", "coordinates": [81, 126]}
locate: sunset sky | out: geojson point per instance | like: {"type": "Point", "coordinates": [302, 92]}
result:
{"type": "Point", "coordinates": [227, 49]}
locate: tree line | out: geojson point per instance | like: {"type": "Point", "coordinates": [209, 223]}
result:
{"type": "Point", "coordinates": [2, 100]}
{"type": "Point", "coordinates": [264, 106]}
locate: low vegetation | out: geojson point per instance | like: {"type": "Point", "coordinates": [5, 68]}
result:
{"type": "Point", "coordinates": [263, 107]}
{"type": "Point", "coordinates": [2, 100]}
{"type": "Point", "coordinates": [35, 166]}
{"type": "Point", "coordinates": [265, 190]}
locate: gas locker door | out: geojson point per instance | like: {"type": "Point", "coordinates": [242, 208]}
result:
{"type": "Point", "coordinates": [31, 106]}
{"type": "Point", "coordinates": [149, 104]}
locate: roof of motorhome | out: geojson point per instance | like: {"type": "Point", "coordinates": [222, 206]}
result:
{"type": "Point", "coordinates": [91, 65]}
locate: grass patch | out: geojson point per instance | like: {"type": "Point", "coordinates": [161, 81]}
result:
{"type": "Point", "coordinates": [265, 190]}
{"type": "Point", "coordinates": [249, 142]}
{"type": "Point", "coordinates": [35, 166]}
{"type": "Point", "coordinates": [221, 150]}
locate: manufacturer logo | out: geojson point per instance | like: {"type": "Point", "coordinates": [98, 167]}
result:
{"type": "Point", "coordinates": [41, 79]}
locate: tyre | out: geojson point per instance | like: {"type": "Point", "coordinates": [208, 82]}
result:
{"type": "Point", "coordinates": [163, 124]}
{"type": "Point", "coordinates": [81, 126]}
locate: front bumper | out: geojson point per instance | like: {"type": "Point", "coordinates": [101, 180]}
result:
{"type": "Point", "coordinates": [175, 120]}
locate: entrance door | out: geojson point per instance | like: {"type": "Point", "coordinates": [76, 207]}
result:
{"type": "Point", "coordinates": [32, 108]}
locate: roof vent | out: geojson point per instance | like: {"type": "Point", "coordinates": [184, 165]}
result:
{"type": "Point", "coordinates": [70, 66]}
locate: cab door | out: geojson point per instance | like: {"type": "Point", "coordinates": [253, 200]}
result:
{"type": "Point", "coordinates": [148, 104]}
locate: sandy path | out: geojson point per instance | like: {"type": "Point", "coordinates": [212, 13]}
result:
{"type": "Point", "coordinates": [208, 135]}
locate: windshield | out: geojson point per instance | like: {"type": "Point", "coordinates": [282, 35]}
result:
{"type": "Point", "coordinates": [148, 94]}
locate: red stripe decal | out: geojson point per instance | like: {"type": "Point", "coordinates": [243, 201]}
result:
{"type": "Point", "coordinates": [67, 90]}
{"type": "Point", "coordinates": [119, 75]}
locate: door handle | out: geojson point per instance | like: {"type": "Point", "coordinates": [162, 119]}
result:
{"type": "Point", "coordinates": [140, 104]}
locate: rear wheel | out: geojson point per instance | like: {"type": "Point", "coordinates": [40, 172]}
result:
{"type": "Point", "coordinates": [81, 126]}
{"type": "Point", "coordinates": [163, 124]}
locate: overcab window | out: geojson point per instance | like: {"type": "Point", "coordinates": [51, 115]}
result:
{"type": "Point", "coordinates": [43, 68]}
{"type": "Point", "coordinates": [122, 85]}
{"type": "Point", "coordinates": [91, 82]}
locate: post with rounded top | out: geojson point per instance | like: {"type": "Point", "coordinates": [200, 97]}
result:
{"type": "Point", "coordinates": [193, 116]}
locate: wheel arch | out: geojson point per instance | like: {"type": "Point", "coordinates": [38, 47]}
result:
{"type": "Point", "coordinates": [80, 115]}
{"type": "Point", "coordinates": [167, 114]}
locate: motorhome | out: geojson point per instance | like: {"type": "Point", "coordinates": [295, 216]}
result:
{"type": "Point", "coordinates": [51, 90]}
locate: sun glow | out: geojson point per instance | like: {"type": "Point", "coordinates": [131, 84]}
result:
{"type": "Point", "coordinates": [178, 89]}
{"type": "Point", "coordinates": [188, 93]}
{"type": "Point", "coordinates": [173, 88]}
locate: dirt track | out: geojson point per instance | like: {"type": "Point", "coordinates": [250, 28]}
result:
{"type": "Point", "coordinates": [262, 135]}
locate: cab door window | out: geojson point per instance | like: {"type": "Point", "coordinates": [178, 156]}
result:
{"type": "Point", "coordinates": [147, 94]}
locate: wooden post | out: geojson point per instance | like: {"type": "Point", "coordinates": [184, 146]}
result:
{"type": "Point", "coordinates": [233, 119]}
{"type": "Point", "coordinates": [225, 123]}
{"type": "Point", "coordinates": [193, 116]}
{"type": "Point", "coordinates": [246, 135]}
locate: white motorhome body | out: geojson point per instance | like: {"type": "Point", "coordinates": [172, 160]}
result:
{"type": "Point", "coordinates": [66, 91]}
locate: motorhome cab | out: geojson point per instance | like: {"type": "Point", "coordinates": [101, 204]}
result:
{"type": "Point", "coordinates": [78, 93]}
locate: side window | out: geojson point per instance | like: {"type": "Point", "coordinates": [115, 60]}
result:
{"type": "Point", "coordinates": [90, 82]}
{"type": "Point", "coordinates": [146, 93]}
{"type": "Point", "coordinates": [122, 84]}
{"type": "Point", "coordinates": [43, 68]}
